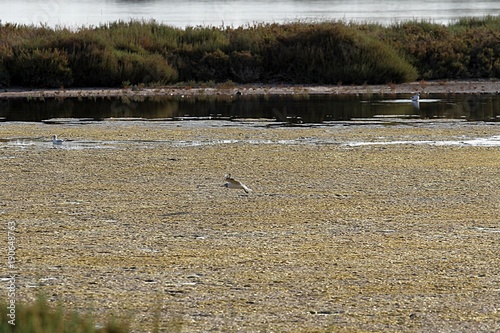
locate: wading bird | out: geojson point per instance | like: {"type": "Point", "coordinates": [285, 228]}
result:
{"type": "Point", "coordinates": [416, 97]}
{"type": "Point", "coordinates": [56, 141]}
{"type": "Point", "coordinates": [236, 184]}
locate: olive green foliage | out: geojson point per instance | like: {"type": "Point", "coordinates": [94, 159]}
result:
{"type": "Point", "coordinates": [40, 317]}
{"type": "Point", "coordinates": [41, 67]}
{"type": "Point", "coordinates": [331, 52]}
{"type": "Point", "coordinates": [468, 48]}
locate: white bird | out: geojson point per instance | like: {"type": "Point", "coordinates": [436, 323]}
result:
{"type": "Point", "coordinates": [236, 184]}
{"type": "Point", "coordinates": [56, 141]}
{"type": "Point", "coordinates": [416, 97]}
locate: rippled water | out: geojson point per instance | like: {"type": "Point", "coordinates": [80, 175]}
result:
{"type": "Point", "coordinates": [182, 13]}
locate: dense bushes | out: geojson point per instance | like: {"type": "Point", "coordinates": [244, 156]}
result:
{"type": "Point", "coordinates": [469, 48]}
{"type": "Point", "coordinates": [329, 53]}
{"type": "Point", "coordinates": [40, 67]}
{"type": "Point", "coordinates": [332, 53]}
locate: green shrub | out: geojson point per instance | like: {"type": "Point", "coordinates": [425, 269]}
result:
{"type": "Point", "coordinates": [203, 39]}
{"type": "Point", "coordinates": [245, 66]}
{"type": "Point", "coordinates": [40, 68]}
{"type": "Point", "coordinates": [148, 69]}
{"type": "Point", "coordinates": [329, 53]}
{"type": "Point", "coordinates": [40, 317]}
{"type": "Point", "coordinates": [91, 59]}
{"type": "Point", "coordinates": [483, 53]}
{"type": "Point", "coordinates": [469, 48]}
{"type": "Point", "coordinates": [4, 76]}
{"type": "Point", "coordinates": [153, 54]}
{"type": "Point", "coordinates": [203, 66]}
{"type": "Point", "coordinates": [5, 54]}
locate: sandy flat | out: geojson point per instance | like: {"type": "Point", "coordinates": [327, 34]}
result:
{"type": "Point", "coordinates": [343, 231]}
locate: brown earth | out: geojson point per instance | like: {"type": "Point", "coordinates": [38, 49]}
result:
{"type": "Point", "coordinates": [424, 87]}
{"type": "Point", "coordinates": [130, 218]}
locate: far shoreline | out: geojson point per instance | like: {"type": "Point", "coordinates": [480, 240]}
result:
{"type": "Point", "coordinates": [491, 86]}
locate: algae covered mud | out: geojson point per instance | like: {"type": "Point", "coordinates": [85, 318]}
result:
{"type": "Point", "coordinates": [342, 232]}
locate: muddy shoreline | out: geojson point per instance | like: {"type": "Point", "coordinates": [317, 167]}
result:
{"type": "Point", "coordinates": [424, 87]}
{"type": "Point", "coordinates": [130, 218]}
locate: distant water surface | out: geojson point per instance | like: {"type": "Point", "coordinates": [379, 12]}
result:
{"type": "Point", "coordinates": [182, 13]}
{"type": "Point", "coordinates": [283, 108]}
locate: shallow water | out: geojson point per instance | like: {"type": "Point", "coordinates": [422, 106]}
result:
{"type": "Point", "coordinates": [289, 109]}
{"type": "Point", "coordinates": [329, 138]}
{"type": "Point", "coordinates": [256, 113]}
{"type": "Point", "coordinates": [180, 13]}
{"type": "Point", "coordinates": [493, 141]}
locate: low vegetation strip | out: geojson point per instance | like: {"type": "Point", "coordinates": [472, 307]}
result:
{"type": "Point", "coordinates": [125, 53]}
{"type": "Point", "coordinates": [40, 317]}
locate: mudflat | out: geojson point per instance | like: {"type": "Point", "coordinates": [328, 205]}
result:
{"type": "Point", "coordinates": [388, 227]}
{"type": "Point", "coordinates": [485, 86]}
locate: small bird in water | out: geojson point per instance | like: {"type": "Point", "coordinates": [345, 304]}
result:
{"type": "Point", "coordinates": [56, 141]}
{"type": "Point", "coordinates": [236, 184]}
{"type": "Point", "coordinates": [416, 97]}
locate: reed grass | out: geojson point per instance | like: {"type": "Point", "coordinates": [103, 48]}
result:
{"type": "Point", "coordinates": [40, 317]}
{"type": "Point", "coordinates": [149, 53]}
{"type": "Point", "coordinates": [467, 48]}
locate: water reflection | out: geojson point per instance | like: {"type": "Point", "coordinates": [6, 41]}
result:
{"type": "Point", "coordinates": [282, 108]}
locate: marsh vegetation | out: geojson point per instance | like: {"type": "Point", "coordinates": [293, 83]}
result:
{"type": "Point", "coordinates": [40, 317]}
{"type": "Point", "coordinates": [148, 53]}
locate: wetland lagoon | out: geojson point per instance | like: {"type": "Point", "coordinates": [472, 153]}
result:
{"type": "Point", "coordinates": [368, 214]}
{"type": "Point", "coordinates": [294, 108]}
